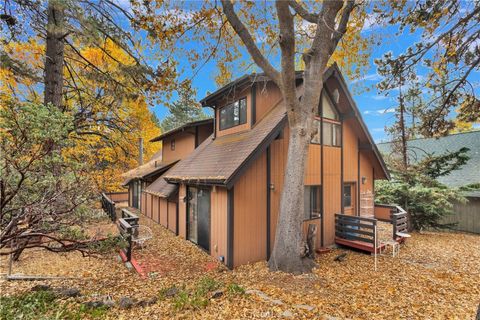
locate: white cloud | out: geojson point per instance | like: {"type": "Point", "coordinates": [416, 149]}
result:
{"type": "Point", "coordinates": [379, 111]}
{"type": "Point", "coordinates": [368, 77]}
{"type": "Point", "coordinates": [371, 22]}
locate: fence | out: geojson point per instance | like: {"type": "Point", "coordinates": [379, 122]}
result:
{"type": "Point", "coordinates": [118, 196]}
{"type": "Point", "coordinates": [128, 226]}
{"type": "Point", "coordinates": [466, 216]}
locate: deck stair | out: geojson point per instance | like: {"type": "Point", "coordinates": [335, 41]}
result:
{"type": "Point", "coordinates": [357, 232]}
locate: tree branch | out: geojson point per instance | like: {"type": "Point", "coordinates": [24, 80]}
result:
{"type": "Point", "coordinates": [249, 43]}
{"type": "Point", "coordinates": [302, 12]}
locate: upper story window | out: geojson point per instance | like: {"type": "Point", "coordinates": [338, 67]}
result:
{"type": "Point", "coordinates": [330, 131]}
{"type": "Point", "coordinates": [329, 111]}
{"type": "Point", "coordinates": [233, 114]}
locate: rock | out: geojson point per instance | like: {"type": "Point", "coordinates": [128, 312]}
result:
{"type": "Point", "coordinates": [69, 292]}
{"type": "Point", "coordinates": [304, 307]}
{"type": "Point", "coordinates": [125, 302]}
{"type": "Point", "coordinates": [94, 304]}
{"type": "Point", "coordinates": [128, 265]}
{"type": "Point", "coordinates": [341, 257]}
{"type": "Point", "coordinates": [287, 314]}
{"type": "Point", "coordinates": [216, 294]}
{"type": "Point", "coordinates": [172, 292]}
{"type": "Point", "coordinates": [41, 287]}
{"type": "Point", "coordinates": [264, 296]}
{"type": "Point", "coordinates": [148, 302]}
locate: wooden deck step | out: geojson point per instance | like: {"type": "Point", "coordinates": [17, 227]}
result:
{"type": "Point", "coordinates": [360, 245]}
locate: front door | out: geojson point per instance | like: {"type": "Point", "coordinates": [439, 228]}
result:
{"type": "Point", "coordinates": [198, 209]}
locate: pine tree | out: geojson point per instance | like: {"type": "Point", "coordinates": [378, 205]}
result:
{"type": "Point", "coordinates": [183, 111]}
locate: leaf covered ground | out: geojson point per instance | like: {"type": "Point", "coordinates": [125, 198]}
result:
{"type": "Point", "coordinates": [436, 276]}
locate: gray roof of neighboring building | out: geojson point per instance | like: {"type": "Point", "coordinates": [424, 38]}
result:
{"type": "Point", "coordinates": [420, 148]}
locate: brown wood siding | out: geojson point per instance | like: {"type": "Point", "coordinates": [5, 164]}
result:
{"type": "Point", "coordinates": [331, 191]}
{"type": "Point", "coordinates": [148, 205]}
{"type": "Point", "coordinates": [382, 212]}
{"type": "Point", "coordinates": [249, 243]}
{"type": "Point", "coordinates": [204, 131]}
{"type": "Point", "coordinates": [182, 211]}
{"type": "Point", "coordinates": [268, 95]}
{"type": "Point", "coordinates": [218, 220]}
{"type": "Point", "coordinates": [366, 170]}
{"type": "Point", "coordinates": [163, 212]}
{"type": "Point", "coordinates": [313, 167]}
{"type": "Point", "coordinates": [172, 216]}
{"type": "Point", "coordinates": [156, 209]}
{"type": "Point", "coordinates": [184, 145]}
{"type": "Point", "coordinates": [350, 152]}
{"type": "Point", "coordinates": [241, 94]}
{"type": "Point", "coordinates": [143, 203]}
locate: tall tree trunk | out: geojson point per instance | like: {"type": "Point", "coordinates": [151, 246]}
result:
{"type": "Point", "coordinates": [54, 53]}
{"type": "Point", "coordinates": [288, 250]}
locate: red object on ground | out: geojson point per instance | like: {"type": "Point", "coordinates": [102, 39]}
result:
{"type": "Point", "coordinates": [135, 265]}
{"type": "Point", "coordinates": [364, 246]}
{"type": "Point", "coordinates": [211, 266]}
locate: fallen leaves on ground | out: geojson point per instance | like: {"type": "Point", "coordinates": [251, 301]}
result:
{"type": "Point", "coordinates": [436, 276]}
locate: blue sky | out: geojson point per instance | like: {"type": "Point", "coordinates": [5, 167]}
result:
{"type": "Point", "coordinates": [376, 109]}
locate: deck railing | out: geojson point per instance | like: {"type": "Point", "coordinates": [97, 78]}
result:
{"type": "Point", "coordinates": [399, 222]}
{"type": "Point", "coordinates": [355, 228]}
{"type": "Point", "coordinates": [128, 226]}
{"type": "Point", "coordinates": [108, 206]}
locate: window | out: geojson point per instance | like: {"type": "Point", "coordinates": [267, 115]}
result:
{"type": "Point", "coordinates": [172, 144]}
{"type": "Point", "coordinates": [347, 195]}
{"type": "Point", "coordinates": [329, 111]}
{"type": "Point", "coordinates": [313, 202]}
{"type": "Point", "coordinates": [233, 114]}
{"type": "Point", "coordinates": [332, 134]}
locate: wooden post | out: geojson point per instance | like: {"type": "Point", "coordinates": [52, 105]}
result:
{"type": "Point", "coordinates": [375, 244]}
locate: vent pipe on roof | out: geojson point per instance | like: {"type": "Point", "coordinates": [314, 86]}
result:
{"type": "Point", "coordinates": [140, 151]}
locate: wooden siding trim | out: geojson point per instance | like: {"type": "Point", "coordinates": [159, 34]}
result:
{"type": "Point", "coordinates": [342, 201]}
{"type": "Point", "coordinates": [358, 179]}
{"type": "Point", "coordinates": [253, 96]}
{"type": "Point", "coordinates": [322, 221]}
{"type": "Point", "coordinates": [268, 201]}
{"type": "Point", "coordinates": [230, 227]}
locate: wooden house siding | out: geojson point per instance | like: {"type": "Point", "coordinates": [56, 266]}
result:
{"type": "Point", "coordinates": [332, 195]}
{"type": "Point", "coordinates": [218, 219]}
{"type": "Point", "coordinates": [250, 207]}
{"type": "Point", "coordinates": [184, 145]}
{"type": "Point", "coordinates": [172, 216]}
{"type": "Point", "coordinates": [267, 96]}
{"type": "Point", "coordinates": [182, 211]}
{"type": "Point", "coordinates": [156, 212]}
{"type": "Point", "coordinates": [163, 212]}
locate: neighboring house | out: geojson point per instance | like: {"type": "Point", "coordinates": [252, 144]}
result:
{"type": "Point", "coordinates": [229, 187]}
{"type": "Point", "coordinates": [466, 215]}
{"type": "Point", "coordinates": [148, 178]}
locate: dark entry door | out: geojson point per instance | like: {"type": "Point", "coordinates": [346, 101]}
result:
{"type": "Point", "coordinates": [199, 216]}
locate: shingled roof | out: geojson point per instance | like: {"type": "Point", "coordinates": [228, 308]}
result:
{"type": "Point", "coordinates": [161, 188]}
{"type": "Point", "coordinates": [219, 160]}
{"type": "Point", "coordinates": [420, 148]}
{"type": "Point", "coordinates": [153, 166]}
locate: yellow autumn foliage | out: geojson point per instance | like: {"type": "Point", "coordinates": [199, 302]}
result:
{"type": "Point", "coordinates": [108, 150]}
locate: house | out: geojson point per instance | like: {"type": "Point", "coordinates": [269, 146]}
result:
{"type": "Point", "coordinates": [147, 190]}
{"type": "Point", "coordinates": [466, 215]}
{"type": "Point", "coordinates": [229, 187]}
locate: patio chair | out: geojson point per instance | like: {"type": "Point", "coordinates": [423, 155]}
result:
{"type": "Point", "coordinates": [141, 235]}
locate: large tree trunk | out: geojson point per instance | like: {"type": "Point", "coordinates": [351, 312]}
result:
{"type": "Point", "coordinates": [54, 53]}
{"type": "Point", "coordinates": [288, 250]}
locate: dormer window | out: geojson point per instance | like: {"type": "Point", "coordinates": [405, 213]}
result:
{"type": "Point", "coordinates": [233, 114]}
